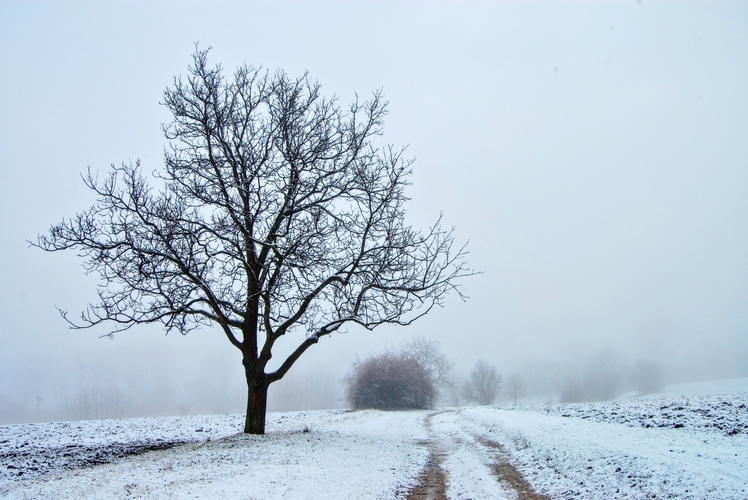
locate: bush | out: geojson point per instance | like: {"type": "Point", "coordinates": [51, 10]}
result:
{"type": "Point", "coordinates": [390, 381]}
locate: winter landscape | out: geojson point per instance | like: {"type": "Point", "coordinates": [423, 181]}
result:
{"type": "Point", "coordinates": [688, 441]}
{"type": "Point", "coordinates": [451, 250]}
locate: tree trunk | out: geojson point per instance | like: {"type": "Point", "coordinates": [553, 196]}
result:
{"type": "Point", "coordinates": [257, 399]}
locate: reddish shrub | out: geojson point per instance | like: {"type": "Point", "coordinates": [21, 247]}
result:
{"type": "Point", "coordinates": [390, 381]}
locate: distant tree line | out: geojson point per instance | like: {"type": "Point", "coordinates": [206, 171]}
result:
{"type": "Point", "coordinates": [418, 375]}
{"type": "Point", "coordinates": [606, 377]}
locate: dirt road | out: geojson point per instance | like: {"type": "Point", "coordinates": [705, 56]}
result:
{"type": "Point", "coordinates": [462, 459]}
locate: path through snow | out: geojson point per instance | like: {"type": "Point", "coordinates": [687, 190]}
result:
{"type": "Point", "coordinates": [463, 463]}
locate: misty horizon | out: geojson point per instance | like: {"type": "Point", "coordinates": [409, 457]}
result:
{"type": "Point", "coordinates": [594, 156]}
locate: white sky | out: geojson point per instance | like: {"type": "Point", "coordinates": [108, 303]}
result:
{"type": "Point", "coordinates": [595, 154]}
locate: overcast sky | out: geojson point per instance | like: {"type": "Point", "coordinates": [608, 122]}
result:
{"type": "Point", "coordinates": [595, 155]}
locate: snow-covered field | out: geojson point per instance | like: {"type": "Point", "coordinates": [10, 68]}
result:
{"type": "Point", "coordinates": [690, 441]}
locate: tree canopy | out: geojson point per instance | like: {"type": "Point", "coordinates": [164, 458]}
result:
{"type": "Point", "coordinates": [277, 212]}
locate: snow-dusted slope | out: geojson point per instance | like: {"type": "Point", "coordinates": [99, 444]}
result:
{"type": "Point", "coordinates": [321, 454]}
{"type": "Point", "coordinates": [679, 444]}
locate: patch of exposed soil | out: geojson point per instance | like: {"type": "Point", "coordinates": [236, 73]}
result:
{"type": "Point", "coordinates": [29, 462]}
{"type": "Point", "coordinates": [432, 482]}
{"type": "Point", "coordinates": [508, 474]}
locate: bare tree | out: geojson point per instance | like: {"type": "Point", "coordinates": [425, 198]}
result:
{"type": "Point", "coordinates": [454, 396]}
{"type": "Point", "coordinates": [604, 376]}
{"type": "Point", "coordinates": [96, 403]}
{"type": "Point", "coordinates": [429, 354]}
{"type": "Point", "coordinates": [484, 384]}
{"type": "Point", "coordinates": [646, 376]}
{"type": "Point", "coordinates": [515, 386]}
{"type": "Point", "coordinates": [277, 214]}
{"type": "Point", "coordinates": [571, 391]}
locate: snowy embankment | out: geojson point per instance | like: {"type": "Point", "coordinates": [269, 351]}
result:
{"type": "Point", "coordinates": [319, 454]}
{"type": "Point", "coordinates": [679, 444]}
{"type": "Point", "coordinates": [691, 442]}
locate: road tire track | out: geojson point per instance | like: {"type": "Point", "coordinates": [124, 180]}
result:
{"type": "Point", "coordinates": [507, 474]}
{"type": "Point", "coordinates": [435, 476]}
{"type": "Point", "coordinates": [432, 482]}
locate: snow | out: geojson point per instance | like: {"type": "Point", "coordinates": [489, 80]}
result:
{"type": "Point", "coordinates": [689, 441]}
{"type": "Point", "coordinates": [319, 454]}
{"type": "Point", "coordinates": [466, 459]}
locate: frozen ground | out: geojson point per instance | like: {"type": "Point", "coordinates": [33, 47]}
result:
{"type": "Point", "coordinates": [688, 442]}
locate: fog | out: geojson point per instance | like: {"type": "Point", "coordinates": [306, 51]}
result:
{"type": "Point", "coordinates": [593, 154]}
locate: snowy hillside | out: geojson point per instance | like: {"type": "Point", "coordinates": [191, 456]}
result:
{"type": "Point", "coordinates": [690, 441]}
